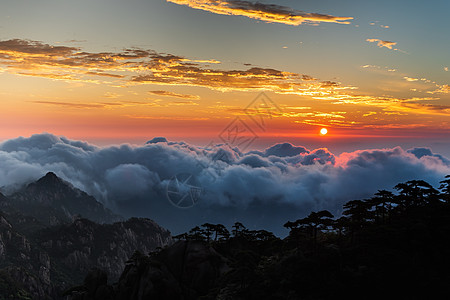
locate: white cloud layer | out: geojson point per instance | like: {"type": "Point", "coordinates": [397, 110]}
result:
{"type": "Point", "coordinates": [262, 189]}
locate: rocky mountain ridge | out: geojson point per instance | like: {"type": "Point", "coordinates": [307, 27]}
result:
{"type": "Point", "coordinates": [52, 234]}
{"type": "Point", "coordinates": [53, 201]}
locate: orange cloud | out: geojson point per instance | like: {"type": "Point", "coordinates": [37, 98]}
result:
{"type": "Point", "coordinates": [392, 104]}
{"type": "Point", "coordinates": [81, 105]}
{"type": "Point", "coordinates": [269, 13]}
{"type": "Point", "coordinates": [135, 66]}
{"type": "Point", "coordinates": [442, 89]}
{"type": "Point", "coordinates": [132, 66]}
{"type": "Point", "coordinates": [381, 43]}
{"type": "Point", "coordinates": [174, 70]}
{"type": "Point", "coordinates": [35, 58]}
{"type": "Point", "coordinates": [166, 118]}
{"type": "Point", "coordinates": [176, 95]}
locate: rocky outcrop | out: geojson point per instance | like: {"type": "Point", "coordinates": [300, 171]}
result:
{"type": "Point", "coordinates": [95, 287]}
{"type": "Point", "coordinates": [186, 270]}
{"type": "Point", "coordinates": [24, 267]}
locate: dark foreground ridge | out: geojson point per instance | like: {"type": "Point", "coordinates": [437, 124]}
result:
{"type": "Point", "coordinates": [391, 246]}
{"type": "Point", "coordinates": [52, 234]}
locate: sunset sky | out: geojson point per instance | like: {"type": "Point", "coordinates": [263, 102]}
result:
{"type": "Point", "coordinates": [372, 72]}
{"type": "Point", "coordinates": [85, 84]}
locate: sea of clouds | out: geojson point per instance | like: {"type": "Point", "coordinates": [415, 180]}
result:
{"type": "Point", "coordinates": [262, 189]}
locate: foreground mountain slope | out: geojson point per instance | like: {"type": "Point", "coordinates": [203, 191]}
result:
{"type": "Point", "coordinates": [186, 270]}
{"type": "Point", "coordinates": [82, 245]}
{"type": "Point", "coordinates": [45, 246]}
{"type": "Point", "coordinates": [391, 246]}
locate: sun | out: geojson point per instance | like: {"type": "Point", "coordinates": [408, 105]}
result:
{"type": "Point", "coordinates": [323, 131]}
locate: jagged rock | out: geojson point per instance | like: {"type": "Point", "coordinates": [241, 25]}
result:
{"type": "Point", "coordinates": [25, 284]}
{"type": "Point", "coordinates": [84, 244]}
{"type": "Point", "coordinates": [23, 262]}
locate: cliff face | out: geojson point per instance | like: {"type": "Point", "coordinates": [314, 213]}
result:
{"type": "Point", "coordinates": [23, 264]}
{"type": "Point", "coordinates": [45, 246]}
{"type": "Point", "coordinates": [82, 245]}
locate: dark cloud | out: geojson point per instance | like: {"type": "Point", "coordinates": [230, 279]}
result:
{"type": "Point", "coordinates": [426, 152]}
{"type": "Point", "coordinates": [35, 47]}
{"type": "Point", "coordinates": [262, 189]}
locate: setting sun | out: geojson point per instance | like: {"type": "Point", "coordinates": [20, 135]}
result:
{"type": "Point", "coordinates": [323, 131]}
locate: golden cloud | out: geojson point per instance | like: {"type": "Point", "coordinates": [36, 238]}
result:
{"type": "Point", "coordinates": [175, 70]}
{"type": "Point", "coordinates": [35, 58]}
{"type": "Point", "coordinates": [133, 66]}
{"type": "Point", "coordinates": [269, 13]}
{"type": "Point", "coordinates": [381, 43]}
{"type": "Point", "coordinates": [166, 118]}
{"type": "Point", "coordinates": [442, 89]}
{"type": "Point", "coordinates": [392, 104]}
{"type": "Point", "coordinates": [136, 66]}
{"type": "Point", "coordinates": [176, 95]}
{"type": "Point", "coordinates": [81, 105]}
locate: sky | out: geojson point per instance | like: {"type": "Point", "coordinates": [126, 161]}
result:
{"type": "Point", "coordinates": [248, 74]}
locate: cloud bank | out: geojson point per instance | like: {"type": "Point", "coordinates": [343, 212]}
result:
{"type": "Point", "coordinates": [137, 66]}
{"type": "Point", "coordinates": [269, 13]}
{"type": "Point", "coordinates": [261, 188]}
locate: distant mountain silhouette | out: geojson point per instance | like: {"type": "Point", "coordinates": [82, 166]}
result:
{"type": "Point", "coordinates": [53, 201]}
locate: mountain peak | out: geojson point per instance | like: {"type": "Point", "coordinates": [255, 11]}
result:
{"type": "Point", "coordinates": [50, 175]}
{"type": "Point", "coordinates": [50, 178]}
{"type": "Point", "coordinates": [157, 140]}
{"type": "Point", "coordinates": [54, 201]}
